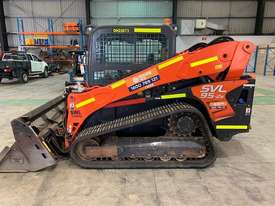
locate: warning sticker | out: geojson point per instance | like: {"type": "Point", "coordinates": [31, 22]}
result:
{"type": "Point", "coordinates": [145, 79]}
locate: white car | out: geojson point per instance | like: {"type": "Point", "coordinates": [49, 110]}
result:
{"type": "Point", "coordinates": [21, 66]}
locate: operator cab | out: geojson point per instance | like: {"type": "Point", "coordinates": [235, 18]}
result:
{"type": "Point", "coordinates": [118, 51]}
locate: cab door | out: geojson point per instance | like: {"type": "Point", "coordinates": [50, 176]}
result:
{"type": "Point", "coordinates": [36, 64]}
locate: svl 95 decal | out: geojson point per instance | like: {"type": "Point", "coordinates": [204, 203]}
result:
{"type": "Point", "coordinates": [212, 91]}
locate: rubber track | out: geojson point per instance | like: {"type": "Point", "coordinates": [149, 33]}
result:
{"type": "Point", "coordinates": [141, 118]}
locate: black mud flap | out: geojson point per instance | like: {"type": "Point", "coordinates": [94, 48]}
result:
{"type": "Point", "coordinates": [30, 152]}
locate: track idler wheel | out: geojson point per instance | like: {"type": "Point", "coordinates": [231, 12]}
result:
{"type": "Point", "coordinates": [91, 150]}
{"type": "Point", "coordinates": [84, 147]}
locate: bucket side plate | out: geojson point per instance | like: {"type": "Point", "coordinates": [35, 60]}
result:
{"type": "Point", "coordinates": [30, 153]}
{"type": "Point", "coordinates": [27, 154]}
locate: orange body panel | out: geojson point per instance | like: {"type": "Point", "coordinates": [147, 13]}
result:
{"type": "Point", "coordinates": [209, 61]}
{"type": "Point", "coordinates": [126, 102]}
{"type": "Point", "coordinates": [213, 97]}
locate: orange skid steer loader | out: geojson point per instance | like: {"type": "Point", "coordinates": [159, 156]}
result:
{"type": "Point", "coordinates": [143, 105]}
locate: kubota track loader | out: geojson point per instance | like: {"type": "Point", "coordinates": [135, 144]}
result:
{"type": "Point", "coordinates": [143, 106]}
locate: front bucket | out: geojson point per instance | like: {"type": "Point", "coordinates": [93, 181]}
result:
{"type": "Point", "coordinates": [30, 152]}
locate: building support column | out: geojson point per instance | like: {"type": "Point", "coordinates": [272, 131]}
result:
{"type": "Point", "coordinates": [3, 30]}
{"type": "Point", "coordinates": [88, 11]}
{"type": "Point", "coordinates": [260, 17]}
{"type": "Point", "coordinates": [174, 11]}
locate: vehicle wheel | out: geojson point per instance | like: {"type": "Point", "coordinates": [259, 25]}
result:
{"type": "Point", "coordinates": [46, 73]}
{"type": "Point", "coordinates": [24, 78]}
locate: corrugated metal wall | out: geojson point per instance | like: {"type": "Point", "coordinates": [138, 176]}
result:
{"type": "Point", "coordinates": [269, 22]}
{"type": "Point", "coordinates": [238, 16]}
{"type": "Point", "coordinates": [35, 14]}
{"type": "Point", "coordinates": [111, 12]}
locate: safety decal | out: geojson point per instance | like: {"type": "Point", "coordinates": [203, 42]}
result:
{"type": "Point", "coordinates": [147, 30]}
{"type": "Point", "coordinates": [231, 126]}
{"type": "Point", "coordinates": [173, 96]}
{"type": "Point", "coordinates": [170, 62]}
{"type": "Point", "coordinates": [204, 61]}
{"type": "Point", "coordinates": [247, 111]}
{"type": "Point", "coordinates": [217, 105]}
{"type": "Point", "coordinates": [118, 84]}
{"type": "Point", "coordinates": [145, 79]}
{"type": "Point", "coordinates": [85, 102]}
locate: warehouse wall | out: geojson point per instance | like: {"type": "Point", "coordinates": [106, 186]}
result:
{"type": "Point", "coordinates": [184, 42]}
{"type": "Point", "coordinates": [238, 16]}
{"type": "Point", "coordinates": [111, 12]}
{"type": "Point", "coordinates": [35, 14]}
{"type": "Point", "coordinates": [269, 22]}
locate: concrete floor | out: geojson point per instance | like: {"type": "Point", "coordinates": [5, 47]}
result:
{"type": "Point", "coordinates": [242, 175]}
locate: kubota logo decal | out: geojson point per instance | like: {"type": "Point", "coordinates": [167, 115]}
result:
{"type": "Point", "coordinates": [145, 79]}
{"type": "Point", "coordinates": [212, 91]}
